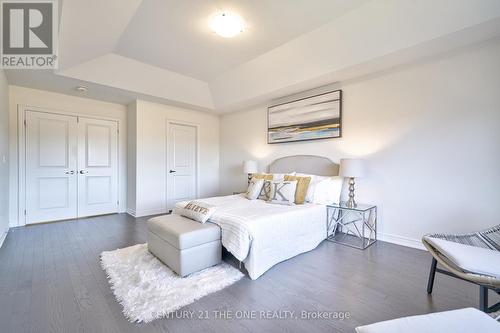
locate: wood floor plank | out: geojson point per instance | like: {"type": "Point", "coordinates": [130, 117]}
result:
{"type": "Point", "coordinates": [63, 309]}
{"type": "Point", "coordinates": [19, 319]}
{"type": "Point", "coordinates": [51, 280]}
{"type": "Point", "coordinates": [94, 312]}
{"type": "Point", "coordinates": [38, 314]}
{"type": "Point", "coordinates": [10, 299]}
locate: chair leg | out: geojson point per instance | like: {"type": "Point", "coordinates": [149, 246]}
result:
{"type": "Point", "coordinates": [483, 299]}
{"type": "Point", "coordinates": [432, 274]}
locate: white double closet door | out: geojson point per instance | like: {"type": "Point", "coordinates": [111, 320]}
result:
{"type": "Point", "coordinates": [71, 167]}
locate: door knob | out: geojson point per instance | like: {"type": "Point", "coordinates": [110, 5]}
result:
{"type": "Point", "coordinates": [82, 172]}
{"type": "Point", "coordinates": [72, 172]}
{"type": "Point", "coordinates": [171, 171]}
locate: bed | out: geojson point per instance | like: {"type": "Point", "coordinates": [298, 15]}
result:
{"type": "Point", "coordinates": [262, 235]}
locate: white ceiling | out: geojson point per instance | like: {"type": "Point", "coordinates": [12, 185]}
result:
{"type": "Point", "coordinates": [47, 80]}
{"type": "Point", "coordinates": [174, 35]}
{"type": "Point", "coordinates": [163, 50]}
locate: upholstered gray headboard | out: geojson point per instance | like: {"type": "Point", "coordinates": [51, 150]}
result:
{"type": "Point", "coordinates": [315, 165]}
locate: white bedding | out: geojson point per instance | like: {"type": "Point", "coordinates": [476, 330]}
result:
{"type": "Point", "coordinates": [261, 234]}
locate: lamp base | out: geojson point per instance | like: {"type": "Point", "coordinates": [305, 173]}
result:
{"type": "Point", "coordinates": [351, 203]}
{"type": "Point", "coordinates": [249, 178]}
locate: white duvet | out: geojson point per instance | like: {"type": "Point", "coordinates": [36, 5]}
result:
{"type": "Point", "coordinates": [261, 234]}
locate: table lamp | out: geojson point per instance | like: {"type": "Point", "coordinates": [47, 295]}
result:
{"type": "Point", "coordinates": [351, 168]}
{"type": "Point", "coordinates": [249, 167]}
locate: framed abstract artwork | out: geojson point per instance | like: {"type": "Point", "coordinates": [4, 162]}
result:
{"type": "Point", "coordinates": [310, 118]}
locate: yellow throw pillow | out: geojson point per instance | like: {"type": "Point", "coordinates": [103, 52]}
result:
{"type": "Point", "coordinates": [264, 176]}
{"type": "Point", "coordinates": [302, 186]}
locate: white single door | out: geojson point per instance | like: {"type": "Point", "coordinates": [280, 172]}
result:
{"type": "Point", "coordinates": [97, 167]}
{"type": "Point", "coordinates": [181, 163]}
{"type": "Point", "coordinates": [51, 165]}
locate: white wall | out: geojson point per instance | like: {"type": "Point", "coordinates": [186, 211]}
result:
{"type": "Point", "coordinates": [375, 36]}
{"type": "Point", "coordinates": [4, 154]}
{"type": "Point", "coordinates": [63, 104]}
{"type": "Point", "coordinates": [151, 156]}
{"type": "Point", "coordinates": [132, 158]}
{"type": "Point", "coordinates": [430, 134]}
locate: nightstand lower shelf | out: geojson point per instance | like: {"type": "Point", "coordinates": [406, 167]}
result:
{"type": "Point", "coordinates": [351, 240]}
{"type": "Point", "coordinates": [354, 227]}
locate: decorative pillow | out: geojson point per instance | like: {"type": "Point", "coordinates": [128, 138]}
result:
{"type": "Point", "coordinates": [328, 190]}
{"type": "Point", "coordinates": [302, 186]}
{"type": "Point", "coordinates": [283, 192]}
{"type": "Point", "coordinates": [198, 211]}
{"type": "Point", "coordinates": [272, 176]}
{"type": "Point", "coordinates": [265, 176]}
{"type": "Point", "coordinates": [281, 176]}
{"type": "Point", "coordinates": [254, 188]}
{"type": "Point", "coordinates": [265, 191]}
{"type": "Point", "coordinates": [315, 179]}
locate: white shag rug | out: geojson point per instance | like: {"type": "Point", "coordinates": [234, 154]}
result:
{"type": "Point", "coordinates": [147, 289]}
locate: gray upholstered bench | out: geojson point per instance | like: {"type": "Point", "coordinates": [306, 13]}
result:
{"type": "Point", "coordinates": [184, 245]}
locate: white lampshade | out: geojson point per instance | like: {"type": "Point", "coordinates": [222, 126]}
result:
{"type": "Point", "coordinates": [352, 168]}
{"type": "Point", "coordinates": [249, 167]}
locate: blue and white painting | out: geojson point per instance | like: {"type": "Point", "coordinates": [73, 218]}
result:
{"type": "Point", "coordinates": [315, 117]}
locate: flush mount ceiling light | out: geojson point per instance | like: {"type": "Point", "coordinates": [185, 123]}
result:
{"type": "Point", "coordinates": [226, 24]}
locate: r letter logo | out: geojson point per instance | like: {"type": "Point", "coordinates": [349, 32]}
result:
{"type": "Point", "coordinates": [29, 34]}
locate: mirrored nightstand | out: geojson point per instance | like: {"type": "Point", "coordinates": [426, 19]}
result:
{"type": "Point", "coordinates": [352, 226]}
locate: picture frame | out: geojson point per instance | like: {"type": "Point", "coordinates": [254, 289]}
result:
{"type": "Point", "coordinates": [310, 118]}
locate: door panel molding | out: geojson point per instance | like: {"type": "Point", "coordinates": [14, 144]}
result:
{"type": "Point", "coordinates": [97, 182]}
{"type": "Point", "coordinates": [22, 109]}
{"type": "Point", "coordinates": [50, 185]}
{"type": "Point", "coordinates": [91, 160]}
{"type": "Point", "coordinates": [169, 123]}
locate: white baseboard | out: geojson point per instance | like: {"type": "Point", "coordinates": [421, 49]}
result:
{"type": "Point", "coordinates": [3, 236]}
{"type": "Point", "coordinates": [13, 224]}
{"type": "Point", "coordinates": [401, 240]}
{"type": "Point", "coordinates": [146, 212]}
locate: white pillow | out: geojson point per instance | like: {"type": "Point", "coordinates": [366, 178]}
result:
{"type": "Point", "coordinates": [254, 188]}
{"type": "Point", "coordinates": [283, 192]}
{"type": "Point", "coordinates": [198, 211]}
{"type": "Point", "coordinates": [328, 190]}
{"type": "Point", "coordinates": [315, 179]}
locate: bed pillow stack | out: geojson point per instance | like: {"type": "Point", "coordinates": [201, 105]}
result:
{"type": "Point", "coordinates": [308, 189]}
{"type": "Point", "coordinates": [299, 194]}
{"type": "Point", "coordinates": [323, 190]}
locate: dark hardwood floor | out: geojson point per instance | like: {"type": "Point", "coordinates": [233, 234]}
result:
{"type": "Point", "coordinates": [51, 281]}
